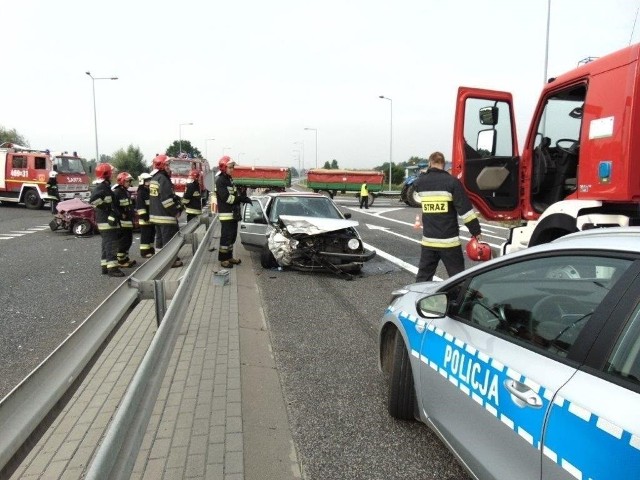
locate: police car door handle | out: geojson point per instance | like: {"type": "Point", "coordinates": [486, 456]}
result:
{"type": "Point", "coordinates": [522, 395]}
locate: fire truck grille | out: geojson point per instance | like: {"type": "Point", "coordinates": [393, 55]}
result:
{"type": "Point", "coordinates": [74, 187]}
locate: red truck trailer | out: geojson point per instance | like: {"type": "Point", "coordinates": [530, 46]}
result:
{"type": "Point", "coordinates": [334, 181]}
{"type": "Point", "coordinates": [271, 178]}
{"type": "Point", "coordinates": [578, 166]}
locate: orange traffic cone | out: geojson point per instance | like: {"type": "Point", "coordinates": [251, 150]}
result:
{"type": "Point", "coordinates": [418, 223]}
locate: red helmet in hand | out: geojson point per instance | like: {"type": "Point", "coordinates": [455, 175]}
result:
{"type": "Point", "coordinates": [478, 251]}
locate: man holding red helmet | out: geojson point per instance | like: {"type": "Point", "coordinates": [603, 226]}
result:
{"type": "Point", "coordinates": [229, 200]}
{"type": "Point", "coordinates": [443, 199]}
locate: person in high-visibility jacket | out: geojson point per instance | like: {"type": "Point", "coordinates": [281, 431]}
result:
{"type": "Point", "coordinates": [443, 199]}
{"type": "Point", "coordinates": [192, 198]}
{"type": "Point", "coordinates": [164, 204]}
{"type": "Point", "coordinates": [147, 229]}
{"type": "Point", "coordinates": [228, 200]}
{"type": "Point", "coordinates": [122, 198]}
{"type": "Point", "coordinates": [107, 218]}
{"type": "Point", "coordinates": [364, 195]}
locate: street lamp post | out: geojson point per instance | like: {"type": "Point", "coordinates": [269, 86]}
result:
{"type": "Point", "coordinates": [206, 146]}
{"type": "Point", "coordinates": [95, 116]}
{"type": "Point", "coordinates": [180, 136]}
{"type": "Point", "coordinates": [298, 155]}
{"type": "Point", "coordinates": [390, 137]}
{"type": "Point", "coordinates": [315, 130]}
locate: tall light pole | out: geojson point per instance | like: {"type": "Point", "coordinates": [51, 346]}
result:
{"type": "Point", "coordinates": [390, 137]}
{"type": "Point", "coordinates": [95, 116]}
{"type": "Point", "coordinates": [546, 50]}
{"type": "Point", "coordinates": [298, 152]}
{"type": "Point", "coordinates": [315, 130]}
{"type": "Point", "coordinates": [180, 135]}
{"type": "Point", "coordinates": [206, 146]}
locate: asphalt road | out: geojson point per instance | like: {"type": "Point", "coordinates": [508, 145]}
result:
{"type": "Point", "coordinates": [323, 329]}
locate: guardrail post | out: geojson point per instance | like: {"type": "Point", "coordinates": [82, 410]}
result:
{"type": "Point", "coordinates": [160, 300]}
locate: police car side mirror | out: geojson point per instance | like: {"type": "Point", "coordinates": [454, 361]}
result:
{"type": "Point", "coordinates": [433, 306]}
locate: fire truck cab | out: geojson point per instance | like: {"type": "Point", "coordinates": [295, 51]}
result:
{"type": "Point", "coordinates": [73, 181]}
{"type": "Point", "coordinates": [576, 169]}
{"type": "Point", "coordinates": [180, 168]}
{"type": "Point", "coordinates": [23, 175]}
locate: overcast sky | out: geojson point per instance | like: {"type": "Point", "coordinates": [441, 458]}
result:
{"type": "Point", "coordinates": [252, 74]}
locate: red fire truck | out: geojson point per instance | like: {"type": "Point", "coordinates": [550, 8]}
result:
{"type": "Point", "coordinates": [73, 181]}
{"type": "Point", "coordinates": [23, 175]}
{"type": "Point", "coordinates": [576, 170]}
{"type": "Point", "coordinates": [180, 168]}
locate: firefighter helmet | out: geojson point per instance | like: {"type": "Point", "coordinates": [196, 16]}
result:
{"type": "Point", "coordinates": [53, 174]}
{"type": "Point", "coordinates": [143, 177]}
{"type": "Point", "coordinates": [225, 162]}
{"type": "Point", "coordinates": [478, 251]}
{"type": "Point", "coordinates": [161, 162]}
{"type": "Point", "coordinates": [104, 171]}
{"type": "Point", "coordinates": [123, 177]}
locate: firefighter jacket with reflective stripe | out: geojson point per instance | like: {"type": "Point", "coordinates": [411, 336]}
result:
{"type": "Point", "coordinates": [102, 199]}
{"type": "Point", "coordinates": [164, 204]}
{"type": "Point", "coordinates": [142, 204]}
{"type": "Point", "coordinates": [192, 200]}
{"type": "Point", "coordinates": [122, 198]}
{"type": "Point", "coordinates": [228, 198]}
{"type": "Point", "coordinates": [443, 199]}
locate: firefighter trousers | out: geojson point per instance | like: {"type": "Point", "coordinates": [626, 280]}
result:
{"type": "Point", "coordinates": [429, 257]}
{"type": "Point", "coordinates": [165, 232]}
{"type": "Point", "coordinates": [125, 239]}
{"type": "Point", "coordinates": [109, 246]}
{"type": "Point", "coordinates": [228, 236]}
{"type": "Point", "coordinates": [147, 238]}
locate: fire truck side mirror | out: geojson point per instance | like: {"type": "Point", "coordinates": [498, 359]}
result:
{"type": "Point", "coordinates": [489, 116]}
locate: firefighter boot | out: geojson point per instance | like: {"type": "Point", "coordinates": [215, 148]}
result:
{"type": "Point", "coordinates": [126, 263]}
{"type": "Point", "coordinates": [105, 270]}
{"type": "Point", "coordinates": [235, 261]}
{"type": "Point", "coordinates": [115, 272]}
{"type": "Point", "coordinates": [226, 264]}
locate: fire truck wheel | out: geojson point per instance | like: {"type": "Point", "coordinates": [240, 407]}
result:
{"type": "Point", "coordinates": [82, 227]}
{"type": "Point", "coordinates": [32, 200]}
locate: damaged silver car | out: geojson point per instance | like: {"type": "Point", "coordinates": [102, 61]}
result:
{"type": "Point", "coordinates": [304, 231]}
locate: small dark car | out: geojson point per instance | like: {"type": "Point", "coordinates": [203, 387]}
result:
{"type": "Point", "coordinates": [303, 231]}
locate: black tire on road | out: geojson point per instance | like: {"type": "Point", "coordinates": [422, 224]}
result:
{"type": "Point", "coordinates": [53, 225]}
{"type": "Point", "coordinates": [267, 260]}
{"type": "Point", "coordinates": [402, 396]}
{"type": "Point", "coordinates": [372, 198]}
{"type": "Point", "coordinates": [413, 199]}
{"type": "Point", "coordinates": [32, 200]}
{"type": "Point", "coordinates": [82, 228]}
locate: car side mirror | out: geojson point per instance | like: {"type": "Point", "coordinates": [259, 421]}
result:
{"type": "Point", "coordinates": [347, 215]}
{"type": "Point", "coordinates": [433, 306]}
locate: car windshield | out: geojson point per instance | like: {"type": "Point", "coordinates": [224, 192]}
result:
{"type": "Point", "coordinates": [320, 207]}
{"type": "Point", "coordinates": [69, 165]}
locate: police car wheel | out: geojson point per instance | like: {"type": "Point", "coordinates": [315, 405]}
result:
{"type": "Point", "coordinates": [402, 396]}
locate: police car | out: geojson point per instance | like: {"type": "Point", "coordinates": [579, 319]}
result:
{"type": "Point", "coordinates": [527, 366]}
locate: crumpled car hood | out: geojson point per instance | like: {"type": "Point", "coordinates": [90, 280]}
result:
{"type": "Point", "coordinates": [314, 225]}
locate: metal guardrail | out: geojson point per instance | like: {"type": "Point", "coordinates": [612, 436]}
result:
{"type": "Point", "coordinates": [24, 408]}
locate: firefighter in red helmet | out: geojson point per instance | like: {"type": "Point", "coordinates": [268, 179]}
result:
{"type": "Point", "coordinates": [107, 218]}
{"type": "Point", "coordinates": [229, 200]}
{"type": "Point", "coordinates": [147, 229]}
{"type": "Point", "coordinates": [122, 198]}
{"type": "Point", "coordinates": [192, 198]}
{"type": "Point", "coordinates": [164, 204]}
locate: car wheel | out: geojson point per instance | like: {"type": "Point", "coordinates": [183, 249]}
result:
{"type": "Point", "coordinates": [82, 228]}
{"type": "Point", "coordinates": [53, 225]}
{"type": "Point", "coordinates": [267, 260]}
{"type": "Point", "coordinates": [32, 200]}
{"type": "Point", "coordinates": [402, 397]}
